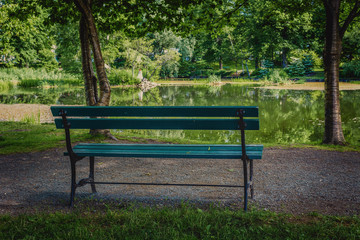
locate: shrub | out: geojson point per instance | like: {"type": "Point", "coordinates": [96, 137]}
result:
{"type": "Point", "coordinates": [122, 77]}
{"type": "Point", "coordinates": [351, 69]}
{"type": "Point", "coordinates": [296, 68]}
{"type": "Point", "coordinates": [278, 76]}
{"type": "Point", "coordinates": [307, 61]}
{"type": "Point", "coordinates": [301, 66]}
{"type": "Point", "coordinates": [301, 54]}
{"type": "Point", "coordinates": [265, 71]}
{"type": "Point", "coordinates": [214, 79]}
{"type": "Point", "coordinates": [6, 85]}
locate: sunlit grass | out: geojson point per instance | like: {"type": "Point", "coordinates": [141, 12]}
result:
{"type": "Point", "coordinates": [30, 136]}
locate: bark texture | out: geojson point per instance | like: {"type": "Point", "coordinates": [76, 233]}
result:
{"type": "Point", "coordinates": [332, 53]}
{"type": "Point", "coordinates": [90, 41]}
{"type": "Point", "coordinates": [90, 45]}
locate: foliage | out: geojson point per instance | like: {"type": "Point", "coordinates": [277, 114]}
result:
{"type": "Point", "coordinates": [122, 77]}
{"type": "Point", "coordinates": [351, 43]}
{"type": "Point", "coordinates": [44, 75]}
{"type": "Point", "coordinates": [299, 54]}
{"type": "Point", "coordinates": [278, 76]}
{"type": "Point", "coordinates": [351, 69]}
{"type": "Point", "coordinates": [68, 47]}
{"type": "Point", "coordinates": [301, 67]}
{"type": "Point", "coordinates": [136, 53]}
{"type": "Point", "coordinates": [25, 42]}
{"type": "Point", "coordinates": [214, 79]}
{"type": "Point", "coordinates": [307, 61]}
{"type": "Point", "coordinates": [6, 85]}
{"type": "Point", "coordinates": [169, 63]}
{"type": "Point", "coordinates": [296, 68]}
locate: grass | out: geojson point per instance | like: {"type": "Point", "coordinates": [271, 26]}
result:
{"type": "Point", "coordinates": [28, 77]}
{"type": "Point", "coordinates": [6, 85]}
{"type": "Point", "coordinates": [183, 222]}
{"type": "Point", "coordinates": [30, 136]}
{"type": "Point", "coordinates": [22, 137]}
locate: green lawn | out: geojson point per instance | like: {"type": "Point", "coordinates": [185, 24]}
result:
{"type": "Point", "coordinates": [20, 137]}
{"type": "Point", "coordinates": [183, 222]}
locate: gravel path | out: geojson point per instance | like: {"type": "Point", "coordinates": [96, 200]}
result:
{"type": "Point", "coordinates": [286, 180]}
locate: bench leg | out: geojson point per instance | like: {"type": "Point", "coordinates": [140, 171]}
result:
{"type": "Point", "coordinates": [246, 185]}
{"type": "Point", "coordinates": [91, 174]}
{"type": "Point", "coordinates": [251, 180]}
{"type": "Point", "coordinates": [73, 182]}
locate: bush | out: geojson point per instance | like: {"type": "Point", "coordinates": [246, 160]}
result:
{"type": "Point", "coordinates": [301, 54]}
{"type": "Point", "coordinates": [278, 76]}
{"type": "Point", "coordinates": [307, 61]}
{"type": "Point", "coordinates": [122, 77]}
{"type": "Point", "coordinates": [6, 85]}
{"type": "Point", "coordinates": [265, 71]}
{"type": "Point", "coordinates": [214, 79]}
{"type": "Point", "coordinates": [192, 69]}
{"type": "Point", "coordinates": [351, 69]}
{"type": "Point", "coordinates": [296, 68]}
{"type": "Point", "coordinates": [301, 66]}
{"type": "Point", "coordinates": [30, 83]}
{"type": "Point", "coordinates": [260, 72]}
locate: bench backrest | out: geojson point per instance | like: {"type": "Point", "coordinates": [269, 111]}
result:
{"type": "Point", "coordinates": [165, 117]}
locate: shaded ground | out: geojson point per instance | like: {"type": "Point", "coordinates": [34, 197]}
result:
{"type": "Point", "coordinates": [286, 180]}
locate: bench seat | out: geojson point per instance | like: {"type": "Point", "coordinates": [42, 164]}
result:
{"type": "Point", "coordinates": [216, 151]}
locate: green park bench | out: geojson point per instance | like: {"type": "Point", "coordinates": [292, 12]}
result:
{"type": "Point", "coordinates": [177, 118]}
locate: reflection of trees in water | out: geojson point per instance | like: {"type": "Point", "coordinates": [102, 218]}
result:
{"type": "Point", "coordinates": [135, 97]}
{"type": "Point", "coordinates": [50, 96]}
{"type": "Point", "coordinates": [286, 116]}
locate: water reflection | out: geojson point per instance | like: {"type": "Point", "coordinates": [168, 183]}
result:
{"type": "Point", "coordinates": [286, 116]}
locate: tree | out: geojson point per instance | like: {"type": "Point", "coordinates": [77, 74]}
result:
{"type": "Point", "coordinates": [136, 52]}
{"type": "Point", "coordinates": [25, 42]}
{"type": "Point", "coordinates": [128, 16]}
{"type": "Point", "coordinates": [332, 53]}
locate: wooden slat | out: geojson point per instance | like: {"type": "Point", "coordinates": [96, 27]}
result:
{"type": "Point", "coordinates": [200, 147]}
{"type": "Point", "coordinates": [167, 151]}
{"type": "Point", "coordinates": [176, 124]}
{"type": "Point", "coordinates": [152, 111]}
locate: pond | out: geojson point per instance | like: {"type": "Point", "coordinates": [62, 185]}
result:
{"type": "Point", "coordinates": [286, 116]}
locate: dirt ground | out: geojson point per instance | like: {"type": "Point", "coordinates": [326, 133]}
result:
{"type": "Point", "coordinates": [286, 180]}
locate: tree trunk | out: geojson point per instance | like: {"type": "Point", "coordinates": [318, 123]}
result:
{"type": "Point", "coordinates": [90, 41]}
{"type": "Point", "coordinates": [220, 63]}
{"type": "Point", "coordinates": [88, 71]}
{"type": "Point", "coordinates": [332, 52]}
{"type": "Point", "coordinates": [284, 57]}
{"type": "Point", "coordinates": [256, 62]}
{"type": "Point", "coordinates": [84, 7]}
{"type": "Point", "coordinates": [247, 68]}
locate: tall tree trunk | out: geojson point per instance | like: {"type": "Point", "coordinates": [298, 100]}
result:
{"type": "Point", "coordinates": [256, 62]}
{"type": "Point", "coordinates": [284, 57]}
{"type": "Point", "coordinates": [91, 91]}
{"type": "Point", "coordinates": [84, 7]}
{"type": "Point", "coordinates": [90, 41]}
{"type": "Point", "coordinates": [332, 52]}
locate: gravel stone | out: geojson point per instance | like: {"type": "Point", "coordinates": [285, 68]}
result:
{"type": "Point", "coordinates": [286, 180]}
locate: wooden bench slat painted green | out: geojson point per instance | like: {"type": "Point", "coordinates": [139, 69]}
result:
{"type": "Point", "coordinates": [160, 118]}
{"type": "Point", "coordinates": [152, 111]}
{"type": "Point", "coordinates": [167, 151]}
{"type": "Point", "coordinates": [164, 124]}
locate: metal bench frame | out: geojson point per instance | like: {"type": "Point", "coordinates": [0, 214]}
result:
{"type": "Point", "coordinates": [77, 153]}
